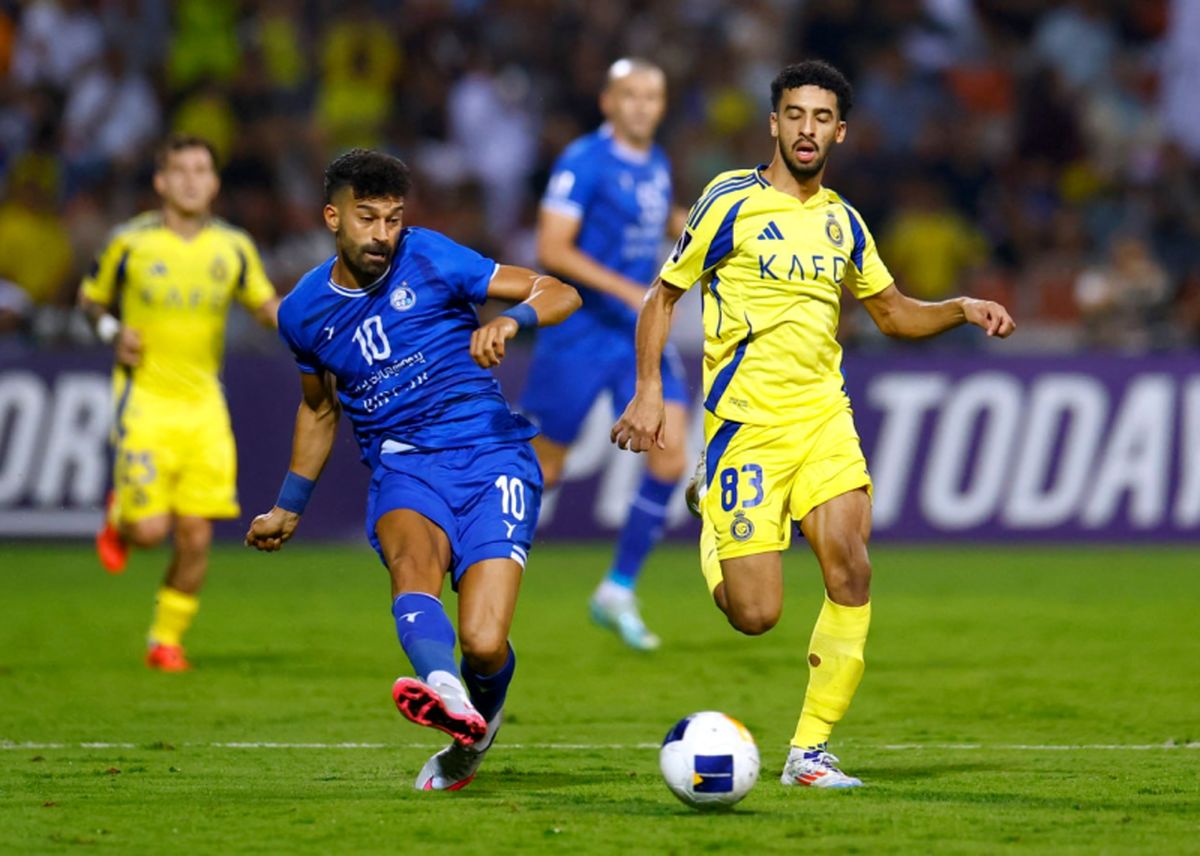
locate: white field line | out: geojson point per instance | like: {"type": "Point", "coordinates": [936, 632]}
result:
{"type": "Point", "coordinates": [11, 745]}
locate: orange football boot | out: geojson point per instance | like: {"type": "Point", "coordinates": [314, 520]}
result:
{"type": "Point", "coordinates": [110, 546]}
{"type": "Point", "coordinates": [167, 658]}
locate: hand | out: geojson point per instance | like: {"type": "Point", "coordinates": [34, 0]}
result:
{"type": "Point", "coordinates": [487, 343]}
{"type": "Point", "coordinates": [128, 347]}
{"type": "Point", "coordinates": [268, 532]}
{"type": "Point", "coordinates": [989, 315]}
{"type": "Point", "coordinates": [640, 427]}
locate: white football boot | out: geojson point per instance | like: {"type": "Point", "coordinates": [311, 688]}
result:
{"type": "Point", "coordinates": [815, 767]}
{"type": "Point", "coordinates": [455, 767]}
{"type": "Point", "coordinates": [616, 608]}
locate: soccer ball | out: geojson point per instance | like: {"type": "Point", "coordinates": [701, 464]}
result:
{"type": "Point", "coordinates": [709, 760]}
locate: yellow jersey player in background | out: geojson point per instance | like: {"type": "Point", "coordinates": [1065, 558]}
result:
{"type": "Point", "coordinates": [169, 276]}
{"type": "Point", "coordinates": [772, 248]}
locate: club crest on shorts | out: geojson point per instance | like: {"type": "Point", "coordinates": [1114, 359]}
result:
{"type": "Point", "coordinates": [833, 231]}
{"type": "Point", "coordinates": [403, 298]}
{"type": "Point", "coordinates": [741, 529]}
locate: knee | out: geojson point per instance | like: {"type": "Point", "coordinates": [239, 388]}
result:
{"type": "Point", "coordinates": [754, 620]}
{"type": "Point", "coordinates": [147, 533]}
{"type": "Point", "coordinates": [669, 466]}
{"type": "Point", "coordinates": [484, 649]}
{"type": "Point", "coordinates": [849, 583]}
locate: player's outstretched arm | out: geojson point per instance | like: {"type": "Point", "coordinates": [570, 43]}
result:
{"type": "Point", "coordinates": [557, 252]}
{"type": "Point", "coordinates": [544, 301]}
{"type": "Point", "coordinates": [903, 317]}
{"type": "Point", "coordinates": [640, 427]}
{"type": "Point", "coordinates": [312, 441]}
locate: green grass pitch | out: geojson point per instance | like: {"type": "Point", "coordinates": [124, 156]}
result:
{"type": "Point", "coordinates": [974, 654]}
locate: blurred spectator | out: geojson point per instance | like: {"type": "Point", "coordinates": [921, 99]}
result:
{"type": "Point", "coordinates": [204, 43]}
{"type": "Point", "coordinates": [929, 246]}
{"type": "Point", "coordinates": [1078, 39]}
{"type": "Point", "coordinates": [996, 145]}
{"type": "Point", "coordinates": [111, 117]}
{"type": "Point", "coordinates": [492, 127]}
{"type": "Point", "coordinates": [1124, 301]}
{"type": "Point", "coordinates": [55, 40]}
{"type": "Point", "coordinates": [360, 62]}
{"type": "Point", "coordinates": [35, 248]}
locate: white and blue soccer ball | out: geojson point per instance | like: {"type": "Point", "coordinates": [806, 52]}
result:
{"type": "Point", "coordinates": [709, 760]}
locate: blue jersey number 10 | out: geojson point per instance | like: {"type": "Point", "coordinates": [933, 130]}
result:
{"type": "Point", "coordinates": [372, 341]}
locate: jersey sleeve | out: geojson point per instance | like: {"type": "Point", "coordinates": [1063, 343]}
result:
{"type": "Point", "coordinates": [253, 287]}
{"type": "Point", "coordinates": [292, 334]}
{"type": "Point", "coordinates": [707, 239]}
{"type": "Point", "coordinates": [867, 274]}
{"type": "Point", "coordinates": [466, 272]}
{"type": "Point", "coordinates": [572, 185]}
{"type": "Point", "coordinates": [107, 273]}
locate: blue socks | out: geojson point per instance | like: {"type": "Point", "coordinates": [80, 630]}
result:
{"type": "Point", "coordinates": [427, 637]}
{"type": "Point", "coordinates": [425, 632]}
{"type": "Point", "coordinates": [488, 691]}
{"type": "Point", "coordinates": [643, 529]}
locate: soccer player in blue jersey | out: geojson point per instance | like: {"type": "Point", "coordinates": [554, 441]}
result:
{"type": "Point", "coordinates": [603, 220]}
{"type": "Point", "coordinates": [386, 330]}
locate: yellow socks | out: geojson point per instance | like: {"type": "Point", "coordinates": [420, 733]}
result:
{"type": "Point", "coordinates": [173, 614]}
{"type": "Point", "coordinates": [835, 666]}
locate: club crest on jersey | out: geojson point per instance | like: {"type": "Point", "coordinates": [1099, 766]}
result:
{"type": "Point", "coordinates": [833, 231]}
{"type": "Point", "coordinates": [403, 298]}
{"type": "Point", "coordinates": [741, 529]}
{"type": "Point", "coordinates": [218, 271]}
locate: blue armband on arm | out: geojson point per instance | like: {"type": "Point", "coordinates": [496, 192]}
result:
{"type": "Point", "coordinates": [295, 493]}
{"type": "Point", "coordinates": [524, 314]}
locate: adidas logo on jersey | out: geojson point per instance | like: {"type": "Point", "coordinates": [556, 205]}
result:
{"type": "Point", "coordinates": [770, 233]}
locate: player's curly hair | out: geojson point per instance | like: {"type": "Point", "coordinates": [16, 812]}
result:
{"type": "Point", "coordinates": [814, 72]}
{"type": "Point", "coordinates": [370, 174]}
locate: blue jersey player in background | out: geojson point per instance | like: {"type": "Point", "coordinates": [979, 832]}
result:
{"type": "Point", "coordinates": [603, 220]}
{"type": "Point", "coordinates": [386, 331]}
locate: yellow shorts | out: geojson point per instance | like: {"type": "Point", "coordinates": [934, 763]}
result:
{"type": "Point", "coordinates": [762, 477]}
{"type": "Point", "coordinates": [173, 458]}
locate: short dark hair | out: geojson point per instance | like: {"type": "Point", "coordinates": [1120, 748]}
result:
{"type": "Point", "coordinates": [370, 174]}
{"type": "Point", "coordinates": [814, 72]}
{"type": "Point", "coordinates": [177, 142]}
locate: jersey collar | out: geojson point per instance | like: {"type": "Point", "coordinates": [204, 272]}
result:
{"type": "Point", "coordinates": [818, 199]}
{"type": "Point", "coordinates": [622, 151]}
{"type": "Point", "coordinates": [358, 292]}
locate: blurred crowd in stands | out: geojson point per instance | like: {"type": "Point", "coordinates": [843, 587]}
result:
{"type": "Point", "coordinates": [1043, 153]}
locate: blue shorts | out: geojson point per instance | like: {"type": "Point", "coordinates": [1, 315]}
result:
{"type": "Point", "coordinates": [564, 382]}
{"type": "Point", "coordinates": [485, 498]}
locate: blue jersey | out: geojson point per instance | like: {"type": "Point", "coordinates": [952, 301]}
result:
{"type": "Point", "coordinates": [400, 349]}
{"type": "Point", "coordinates": [622, 198]}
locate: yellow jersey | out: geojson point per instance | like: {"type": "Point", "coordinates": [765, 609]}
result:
{"type": "Point", "coordinates": [176, 293]}
{"type": "Point", "coordinates": [772, 269]}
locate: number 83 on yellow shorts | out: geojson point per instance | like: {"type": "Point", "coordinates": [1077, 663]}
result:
{"type": "Point", "coordinates": [763, 477]}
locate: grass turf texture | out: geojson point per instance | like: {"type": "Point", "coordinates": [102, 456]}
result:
{"type": "Point", "coordinates": [1062, 647]}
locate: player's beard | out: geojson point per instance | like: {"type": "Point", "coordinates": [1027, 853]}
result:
{"type": "Point", "coordinates": [364, 270]}
{"type": "Point", "coordinates": [801, 171]}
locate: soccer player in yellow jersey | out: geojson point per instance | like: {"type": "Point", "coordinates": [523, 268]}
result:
{"type": "Point", "coordinates": [772, 250]}
{"type": "Point", "coordinates": [169, 276]}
